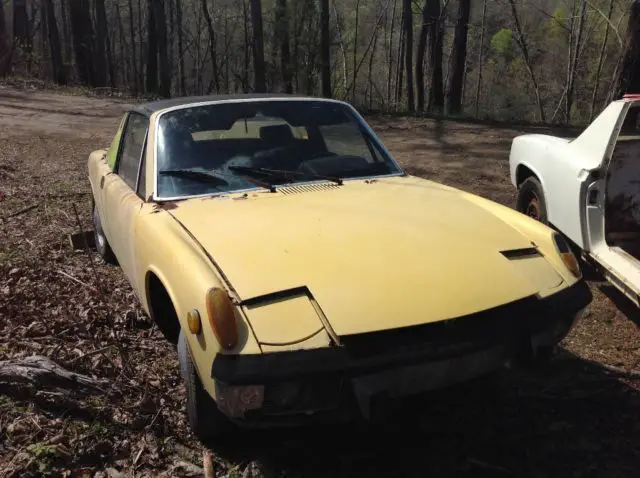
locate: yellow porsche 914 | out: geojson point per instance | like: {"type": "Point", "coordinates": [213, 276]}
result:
{"type": "Point", "coordinates": [302, 274]}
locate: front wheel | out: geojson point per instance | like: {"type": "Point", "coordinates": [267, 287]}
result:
{"type": "Point", "coordinates": [531, 200]}
{"type": "Point", "coordinates": [207, 422]}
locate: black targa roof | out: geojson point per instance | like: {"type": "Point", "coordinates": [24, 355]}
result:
{"type": "Point", "coordinates": [153, 106]}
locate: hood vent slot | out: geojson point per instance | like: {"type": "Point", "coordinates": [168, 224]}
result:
{"type": "Point", "coordinates": [521, 253]}
{"type": "Point", "coordinates": [306, 188]}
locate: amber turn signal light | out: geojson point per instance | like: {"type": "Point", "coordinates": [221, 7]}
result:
{"type": "Point", "coordinates": [567, 255]}
{"type": "Point", "coordinates": [194, 322]}
{"type": "Point", "coordinates": [221, 318]}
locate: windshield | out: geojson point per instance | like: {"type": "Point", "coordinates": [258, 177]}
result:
{"type": "Point", "coordinates": [227, 147]}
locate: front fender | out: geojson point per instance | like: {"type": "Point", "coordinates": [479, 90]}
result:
{"type": "Point", "coordinates": [165, 249]}
{"type": "Point", "coordinates": [535, 231]}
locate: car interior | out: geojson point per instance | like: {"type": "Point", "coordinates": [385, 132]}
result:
{"type": "Point", "coordinates": [300, 139]}
{"type": "Point", "coordinates": [274, 146]}
{"type": "Point", "coordinates": [622, 204]}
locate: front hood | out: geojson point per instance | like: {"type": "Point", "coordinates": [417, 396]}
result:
{"type": "Point", "coordinates": [395, 252]}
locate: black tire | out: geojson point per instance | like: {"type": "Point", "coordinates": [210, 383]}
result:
{"type": "Point", "coordinates": [102, 245]}
{"type": "Point", "coordinates": [531, 200]}
{"type": "Point", "coordinates": [206, 421]}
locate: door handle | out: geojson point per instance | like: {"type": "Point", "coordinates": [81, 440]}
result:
{"type": "Point", "coordinates": [102, 182]}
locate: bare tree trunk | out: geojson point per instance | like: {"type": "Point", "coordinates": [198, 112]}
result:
{"type": "Point", "coordinates": [603, 48]}
{"type": "Point", "coordinates": [436, 40]}
{"type": "Point", "coordinates": [21, 30]}
{"type": "Point", "coordinates": [628, 80]}
{"type": "Point", "coordinates": [355, 54]}
{"type": "Point", "coordinates": [366, 51]}
{"type": "Point", "coordinates": [134, 56]}
{"type": "Point", "coordinates": [226, 58]}
{"type": "Point", "coordinates": [422, 48]}
{"type": "Point", "coordinates": [408, 59]}
{"type": "Point", "coordinates": [143, 48]}
{"type": "Point", "coordinates": [163, 53]}
{"type": "Point", "coordinates": [325, 48]}
{"type": "Point", "coordinates": [198, 62]}
{"type": "Point", "coordinates": [103, 49]}
{"type": "Point", "coordinates": [525, 54]}
{"type": "Point", "coordinates": [45, 56]}
{"type": "Point", "coordinates": [459, 59]}
{"type": "Point", "coordinates": [282, 37]}
{"type": "Point", "coordinates": [124, 61]}
{"type": "Point", "coordinates": [67, 40]}
{"type": "Point", "coordinates": [172, 32]}
{"type": "Point", "coordinates": [309, 34]}
{"type": "Point", "coordinates": [59, 74]}
{"type": "Point", "coordinates": [390, 59]}
{"type": "Point", "coordinates": [82, 31]}
{"type": "Point", "coordinates": [152, 49]}
{"type": "Point", "coordinates": [212, 45]}
{"type": "Point", "coordinates": [180, 47]}
{"type": "Point", "coordinates": [5, 44]}
{"type": "Point", "coordinates": [480, 58]}
{"type": "Point", "coordinates": [342, 49]}
{"type": "Point", "coordinates": [245, 72]}
{"type": "Point", "coordinates": [371, 59]}
{"type": "Point", "coordinates": [574, 62]}
{"type": "Point", "coordinates": [401, 55]}
{"type": "Point", "coordinates": [258, 47]}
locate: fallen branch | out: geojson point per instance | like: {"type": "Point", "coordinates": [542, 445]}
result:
{"type": "Point", "coordinates": [21, 211]}
{"type": "Point", "coordinates": [207, 464]}
{"type": "Point", "coordinates": [619, 371]}
{"type": "Point", "coordinates": [93, 352]}
{"type": "Point", "coordinates": [41, 372]}
{"type": "Point", "coordinates": [68, 276]}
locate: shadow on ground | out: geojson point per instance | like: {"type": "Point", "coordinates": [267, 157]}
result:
{"type": "Point", "coordinates": [567, 419]}
{"type": "Point", "coordinates": [622, 303]}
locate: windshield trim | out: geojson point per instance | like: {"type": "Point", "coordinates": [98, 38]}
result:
{"type": "Point", "coordinates": [156, 130]}
{"type": "Point", "coordinates": [214, 194]}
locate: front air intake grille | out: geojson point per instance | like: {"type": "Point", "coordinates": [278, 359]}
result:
{"type": "Point", "coordinates": [306, 188]}
{"type": "Point", "coordinates": [455, 336]}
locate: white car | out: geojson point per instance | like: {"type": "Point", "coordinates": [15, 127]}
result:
{"type": "Point", "coordinates": [588, 188]}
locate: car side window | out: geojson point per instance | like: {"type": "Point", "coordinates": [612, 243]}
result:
{"type": "Point", "coordinates": [133, 144]}
{"type": "Point", "coordinates": [142, 180]}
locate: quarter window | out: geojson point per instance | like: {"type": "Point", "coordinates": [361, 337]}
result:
{"type": "Point", "coordinates": [132, 147]}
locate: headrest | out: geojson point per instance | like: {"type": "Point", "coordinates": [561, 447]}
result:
{"type": "Point", "coordinates": [276, 133]}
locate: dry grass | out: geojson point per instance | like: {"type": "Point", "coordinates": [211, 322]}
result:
{"type": "Point", "coordinates": [570, 419]}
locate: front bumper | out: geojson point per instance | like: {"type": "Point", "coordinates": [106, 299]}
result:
{"type": "Point", "coordinates": [344, 381]}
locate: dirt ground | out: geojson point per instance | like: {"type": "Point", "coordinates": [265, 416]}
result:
{"type": "Point", "coordinates": [570, 419]}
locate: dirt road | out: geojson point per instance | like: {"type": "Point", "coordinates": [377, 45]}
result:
{"type": "Point", "coordinates": [570, 419]}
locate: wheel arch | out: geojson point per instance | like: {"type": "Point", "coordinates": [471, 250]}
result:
{"type": "Point", "coordinates": [524, 172]}
{"type": "Point", "coordinates": [158, 297]}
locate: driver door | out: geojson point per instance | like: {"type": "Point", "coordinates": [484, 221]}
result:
{"type": "Point", "coordinates": [123, 194]}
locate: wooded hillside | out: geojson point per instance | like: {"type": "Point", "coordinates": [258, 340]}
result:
{"type": "Point", "coordinates": [553, 61]}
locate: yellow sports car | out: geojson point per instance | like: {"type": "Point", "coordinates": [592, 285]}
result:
{"type": "Point", "coordinates": [302, 274]}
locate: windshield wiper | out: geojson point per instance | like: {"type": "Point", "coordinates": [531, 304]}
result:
{"type": "Point", "coordinates": [196, 175]}
{"type": "Point", "coordinates": [271, 178]}
{"type": "Point", "coordinates": [285, 174]}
